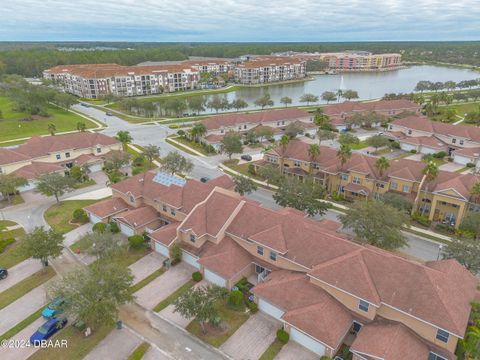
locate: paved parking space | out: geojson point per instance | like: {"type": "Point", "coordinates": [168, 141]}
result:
{"type": "Point", "coordinates": [252, 339]}
{"type": "Point", "coordinates": [118, 345]}
{"type": "Point", "coordinates": [19, 272]}
{"type": "Point", "coordinates": [146, 266]}
{"type": "Point", "coordinates": [415, 157]}
{"type": "Point", "coordinates": [450, 166]}
{"type": "Point", "coordinates": [164, 285]}
{"type": "Point", "coordinates": [294, 351]}
{"type": "Point", "coordinates": [25, 352]}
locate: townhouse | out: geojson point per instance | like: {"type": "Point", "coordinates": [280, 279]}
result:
{"type": "Point", "coordinates": [275, 120]}
{"type": "Point", "coordinates": [340, 113]}
{"type": "Point", "coordinates": [422, 135]}
{"type": "Point", "coordinates": [46, 154]}
{"type": "Point", "coordinates": [325, 290]}
{"type": "Point", "coordinates": [267, 69]}
{"type": "Point", "coordinates": [96, 80]}
{"type": "Point", "coordinates": [448, 197]}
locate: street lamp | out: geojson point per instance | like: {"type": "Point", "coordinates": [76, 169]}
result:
{"type": "Point", "coordinates": [440, 247]}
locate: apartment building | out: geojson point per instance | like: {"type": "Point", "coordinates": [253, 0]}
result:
{"type": "Point", "coordinates": [95, 80]}
{"type": "Point", "coordinates": [325, 290]}
{"type": "Point", "coordinates": [341, 112]}
{"type": "Point", "coordinates": [46, 154]}
{"type": "Point", "coordinates": [262, 70]}
{"type": "Point", "coordinates": [425, 136]}
{"type": "Point", "coordinates": [276, 120]}
{"type": "Point", "coordinates": [214, 66]}
{"type": "Point", "coordinates": [448, 197]}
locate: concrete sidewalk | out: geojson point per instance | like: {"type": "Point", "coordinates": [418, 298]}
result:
{"type": "Point", "coordinates": [93, 195]}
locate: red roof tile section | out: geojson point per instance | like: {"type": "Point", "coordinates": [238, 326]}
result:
{"type": "Point", "coordinates": [35, 169]}
{"type": "Point", "coordinates": [139, 216]}
{"type": "Point", "coordinates": [108, 207]}
{"type": "Point", "coordinates": [166, 234]}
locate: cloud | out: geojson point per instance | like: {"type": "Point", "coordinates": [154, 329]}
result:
{"type": "Point", "coordinates": [240, 20]}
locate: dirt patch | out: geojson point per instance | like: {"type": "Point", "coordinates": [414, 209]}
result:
{"type": "Point", "coordinates": [216, 330]}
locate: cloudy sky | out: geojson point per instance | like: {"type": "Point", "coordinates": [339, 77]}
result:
{"type": "Point", "coordinates": [239, 20]}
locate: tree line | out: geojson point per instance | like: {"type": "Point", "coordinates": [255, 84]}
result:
{"type": "Point", "coordinates": [425, 85]}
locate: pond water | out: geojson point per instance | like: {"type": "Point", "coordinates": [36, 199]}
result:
{"type": "Point", "coordinates": [368, 85]}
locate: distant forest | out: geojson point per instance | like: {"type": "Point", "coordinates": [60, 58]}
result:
{"type": "Point", "coordinates": [30, 59]}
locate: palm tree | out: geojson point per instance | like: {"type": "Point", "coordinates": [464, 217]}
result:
{"type": "Point", "coordinates": [284, 141]}
{"type": "Point", "coordinates": [475, 191]}
{"type": "Point", "coordinates": [52, 129]}
{"type": "Point", "coordinates": [125, 138]}
{"type": "Point", "coordinates": [198, 130]}
{"type": "Point", "coordinates": [81, 126]}
{"type": "Point", "coordinates": [471, 343]}
{"type": "Point", "coordinates": [382, 164]}
{"type": "Point", "coordinates": [344, 153]}
{"type": "Point", "coordinates": [313, 152]}
{"type": "Point", "coordinates": [339, 94]}
{"type": "Point", "coordinates": [430, 172]}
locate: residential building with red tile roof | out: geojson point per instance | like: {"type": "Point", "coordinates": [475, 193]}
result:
{"type": "Point", "coordinates": [448, 197]}
{"type": "Point", "coordinates": [267, 69]}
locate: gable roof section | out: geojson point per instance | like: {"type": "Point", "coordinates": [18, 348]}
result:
{"type": "Point", "coordinates": [10, 156]}
{"type": "Point", "coordinates": [108, 207]}
{"type": "Point", "coordinates": [36, 168]}
{"type": "Point", "coordinates": [273, 238]}
{"type": "Point", "coordinates": [166, 234]}
{"type": "Point", "coordinates": [139, 216]}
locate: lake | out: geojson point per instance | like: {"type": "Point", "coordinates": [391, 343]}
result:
{"type": "Point", "coordinates": [368, 85]}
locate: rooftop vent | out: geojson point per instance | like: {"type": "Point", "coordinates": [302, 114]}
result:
{"type": "Point", "coordinates": [167, 180]}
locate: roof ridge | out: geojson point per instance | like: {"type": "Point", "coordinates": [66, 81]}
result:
{"type": "Point", "coordinates": [370, 281]}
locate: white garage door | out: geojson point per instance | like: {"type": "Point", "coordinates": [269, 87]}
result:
{"type": "Point", "coordinates": [162, 249]}
{"type": "Point", "coordinates": [306, 341]}
{"type": "Point", "coordinates": [94, 219]}
{"type": "Point", "coordinates": [427, 150]}
{"type": "Point", "coordinates": [215, 279]}
{"type": "Point", "coordinates": [462, 160]}
{"type": "Point", "coordinates": [30, 186]}
{"type": "Point", "coordinates": [95, 167]}
{"type": "Point", "coordinates": [127, 230]}
{"type": "Point", "coordinates": [270, 309]}
{"type": "Point", "coordinates": [407, 147]}
{"type": "Point", "coordinates": [190, 259]}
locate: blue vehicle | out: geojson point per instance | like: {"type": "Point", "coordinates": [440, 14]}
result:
{"type": "Point", "coordinates": [54, 308]}
{"type": "Point", "coordinates": [48, 329]}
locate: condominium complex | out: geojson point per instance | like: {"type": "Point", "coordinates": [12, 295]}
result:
{"type": "Point", "coordinates": [266, 69]}
{"type": "Point", "coordinates": [448, 196]}
{"type": "Point", "coordinates": [94, 80]}
{"type": "Point", "coordinates": [324, 290]}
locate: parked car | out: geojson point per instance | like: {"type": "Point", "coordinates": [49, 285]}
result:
{"type": "Point", "coordinates": [48, 329]}
{"type": "Point", "coordinates": [54, 308]}
{"type": "Point", "coordinates": [109, 113]}
{"type": "Point", "coordinates": [3, 273]}
{"type": "Point", "coordinates": [246, 157]}
{"type": "Point", "coordinates": [84, 104]}
{"type": "Point", "coordinates": [204, 179]}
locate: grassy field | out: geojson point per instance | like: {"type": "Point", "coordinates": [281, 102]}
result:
{"type": "Point", "coordinates": [174, 296]}
{"type": "Point", "coordinates": [13, 254]}
{"type": "Point", "coordinates": [12, 125]}
{"type": "Point", "coordinates": [19, 289]}
{"type": "Point", "coordinates": [78, 345]}
{"type": "Point", "coordinates": [181, 148]}
{"type": "Point", "coordinates": [58, 216]}
{"type": "Point", "coordinates": [361, 145]}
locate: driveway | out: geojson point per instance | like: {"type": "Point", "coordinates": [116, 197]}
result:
{"type": "Point", "coordinates": [154, 354]}
{"type": "Point", "coordinates": [451, 167]}
{"type": "Point", "coordinates": [19, 272]}
{"type": "Point", "coordinates": [164, 285]}
{"type": "Point", "coordinates": [146, 266]}
{"type": "Point", "coordinates": [118, 345]}
{"type": "Point", "coordinates": [252, 338]}
{"type": "Point", "coordinates": [294, 351]}
{"type": "Point", "coordinates": [415, 157]}
{"type": "Point", "coordinates": [26, 352]}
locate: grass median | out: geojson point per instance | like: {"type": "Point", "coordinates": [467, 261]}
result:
{"type": "Point", "coordinates": [139, 352]}
{"type": "Point", "coordinates": [272, 351]}
{"type": "Point", "coordinates": [174, 296]}
{"type": "Point", "coordinates": [59, 216]}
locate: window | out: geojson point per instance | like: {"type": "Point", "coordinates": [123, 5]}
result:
{"type": "Point", "coordinates": [344, 177]}
{"type": "Point", "coordinates": [341, 189]}
{"type": "Point", "coordinates": [363, 305]}
{"type": "Point", "coordinates": [393, 185]}
{"type": "Point", "coordinates": [192, 238]}
{"type": "Point", "coordinates": [57, 156]}
{"type": "Point", "coordinates": [164, 208]}
{"type": "Point", "coordinates": [461, 142]}
{"type": "Point", "coordinates": [260, 250]}
{"type": "Point", "coordinates": [356, 180]}
{"type": "Point", "coordinates": [380, 185]}
{"type": "Point", "coordinates": [391, 127]}
{"type": "Point", "coordinates": [99, 150]}
{"type": "Point", "coordinates": [273, 255]}
{"type": "Point", "coordinates": [132, 199]}
{"type": "Point", "coordinates": [172, 211]}
{"type": "Point", "coordinates": [442, 335]}
{"type": "Point", "coordinates": [406, 188]}
{"type": "Point", "coordinates": [433, 356]}
{"type": "Point", "coordinates": [297, 163]}
{"type": "Point", "coordinates": [454, 141]}
{"type": "Point", "coordinates": [409, 132]}
{"type": "Point", "coordinates": [67, 155]}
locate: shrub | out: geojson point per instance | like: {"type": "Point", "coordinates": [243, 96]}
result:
{"type": "Point", "coordinates": [99, 227]}
{"type": "Point", "coordinates": [4, 243]}
{"type": "Point", "coordinates": [445, 228]}
{"type": "Point", "coordinates": [325, 357]}
{"type": "Point", "coordinates": [440, 155]}
{"type": "Point", "coordinates": [80, 216]}
{"type": "Point", "coordinates": [421, 219]}
{"type": "Point", "coordinates": [181, 132]}
{"type": "Point", "coordinates": [242, 285]}
{"type": "Point", "coordinates": [336, 196]}
{"type": "Point", "coordinates": [235, 298]}
{"type": "Point", "coordinates": [413, 151]}
{"type": "Point", "coordinates": [282, 336]}
{"type": "Point", "coordinates": [114, 227]}
{"type": "Point", "coordinates": [470, 165]}
{"type": "Point", "coordinates": [394, 145]}
{"type": "Point", "coordinates": [175, 253]}
{"type": "Point", "coordinates": [251, 169]}
{"type": "Point", "coordinates": [197, 276]}
{"type": "Point", "coordinates": [252, 306]}
{"type": "Point", "coordinates": [137, 170]}
{"type": "Point", "coordinates": [136, 241]}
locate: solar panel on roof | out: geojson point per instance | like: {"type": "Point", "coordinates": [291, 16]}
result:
{"type": "Point", "coordinates": [167, 180]}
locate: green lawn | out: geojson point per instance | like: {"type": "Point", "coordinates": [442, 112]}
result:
{"type": "Point", "coordinates": [131, 256]}
{"type": "Point", "coordinates": [78, 345]}
{"type": "Point", "coordinates": [139, 352]}
{"type": "Point", "coordinates": [21, 325]}
{"type": "Point", "coordinates": [233, 318]}
{"type": "Point", "coordinates": [18, 290]}
{"type": "Point", "coordinates": [181, 148]}
{"type": "Point", "coordinates": [360, 145]}
{"type": "Point", "coordinates": [13, 254]}
{"type": "Point", "coordinates": [12, 125]}
{"type": "Point", "coordinates": [192, 144]}
{"type": "Point", "coordinates": [272, 350]}
{"type": "Point", "coordinates": [174, 296]}
{"type": "Point", "coordinates": [242, 168]}
{"type": "Point", "coordinates": [58, 216]}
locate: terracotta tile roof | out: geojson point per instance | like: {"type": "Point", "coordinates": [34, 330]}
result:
{"type": "Point", "coordinates": [269, 61]}
{"type": "Point", "coordinates": [213, 138]}
{"type": "Point", "coordinates": [471, 152]}
{"type": "Point", "coordinates": [226, 259]}
{"type": "Point", "coordinates": [10, 156]}
{"type": "Point", "coordinates": [382, 105]}
{"type": "Point", "coordinates": [35, 169]}
{"type": "Point", "coordinates": [273, 238]}
{"type": "Point", "coordinates": [356, 188]}
{"type": "Point", "coordinates": [461, 183]}
{"type": "Point", "coordinates": [139, 216]}
{"type": "Point", "coordinates": [429, 141]}
{"type": "Point", "coordinates": [166, 234]}
{"type": "Point", "coordinates": [38, 146]}
{"type": "Point", "coordinates": [258, 117]}
{"type": "Point", "coordinates": [108, 207]}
